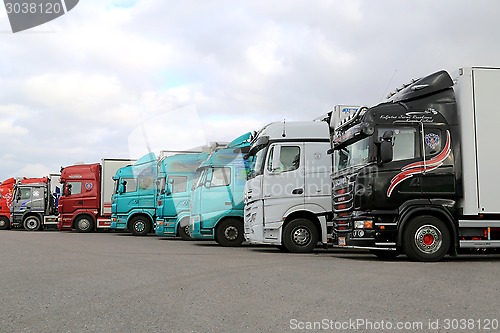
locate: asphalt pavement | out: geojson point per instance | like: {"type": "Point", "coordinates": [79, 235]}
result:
{"type": "Point", "coordinates": [54, 281]}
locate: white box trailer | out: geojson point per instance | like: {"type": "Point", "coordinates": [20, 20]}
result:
{"type": "Point", "coordinates": [109, 168]}
{"type": "Point", "coordinates": [477, 90]}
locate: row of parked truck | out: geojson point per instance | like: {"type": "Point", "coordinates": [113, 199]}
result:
{"type": "Point", "coordinates": [414, 174]}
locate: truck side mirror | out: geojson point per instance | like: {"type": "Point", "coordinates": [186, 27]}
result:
{"type": "Point", "coordinates": [386, 153]}
{"type": "Point", "coordinates": [168, 188]}
{"type": "Point", "coordinates": [68, 190]}
{"type": "Point", "coordinates": [386, 149]}
{"type": "Point", "coordinates": [122, 187]}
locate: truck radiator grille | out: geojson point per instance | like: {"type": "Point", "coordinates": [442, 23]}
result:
{"type": "Point", "coordinates": [343, 203]}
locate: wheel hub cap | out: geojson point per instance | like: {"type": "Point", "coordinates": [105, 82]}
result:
{"type": "Point", "coordinates": [428, 239]}
{"type": "Point", "coordinates": [301, 236]}
{"type": "Point", "coordinates": [84, 224]}
{"type": "Point", "coordinates": [140, 226]}
{"type": "Point", "coordinates": [231, 233]}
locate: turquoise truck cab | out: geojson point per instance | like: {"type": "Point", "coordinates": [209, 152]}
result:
{"type": "Point", "coordinates": [217, 199]}
{"type": "Point", "coordinates": [134, 200]}
{"type": "Point", "coordinates": [176, 176]}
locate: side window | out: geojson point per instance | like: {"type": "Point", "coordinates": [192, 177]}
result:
{"type": "Point", "coordinates": [433, 141]}
{"type": "Point", "coordinates": [270, 161]}
{"type": "Point", "coordinates": [146, 182]}
{"type": "Point", "coordinates": [289, 159]}
{"type": "Point", "coordinates": [74, 188]}
{"type": "Point", "coordinates": [25, 193]}
{"type": "Point", "coordinates": [130, 185]}
{"type": "Point", "coordinates": [403, 141]}
{"type": "Point", "coordinates": [179, 184]}
{"type": "Point", "coordinates": [221, 177]}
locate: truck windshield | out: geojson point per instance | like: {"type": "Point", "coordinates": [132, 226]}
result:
{"type": "Point", "coordinates": [353, 155]}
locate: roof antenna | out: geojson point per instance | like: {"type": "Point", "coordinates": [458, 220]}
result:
{"type": "Point", "coordinates": [390, 80]}
{"type": "Point", "coordinates": [284, 130]}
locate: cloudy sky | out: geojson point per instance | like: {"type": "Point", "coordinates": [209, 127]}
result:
{"type": "Point", "coordinates": [114, 78]}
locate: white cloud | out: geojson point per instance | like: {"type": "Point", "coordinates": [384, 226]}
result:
{"type": "Point", "coordinates": [180, 129]}
{"type": "Point", "coordinates": [79, 88]}
{"type": "Point", "coordinates": [73, 91]}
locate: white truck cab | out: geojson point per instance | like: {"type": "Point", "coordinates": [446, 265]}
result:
{"type": "Point", "coordinates": [287, 193]}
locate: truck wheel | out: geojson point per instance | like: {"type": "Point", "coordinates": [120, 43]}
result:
{"type": "Point", "coordinates": [84, 224]}
{"type": "Point", "coordinates": [385, 254]}
{"type": "Point", "coordinates": [282, 248]}
{"type": "Point", "coordinates": [426, 239]}
{"type": "Point", "coordinates": [4, 223]}
{"type": "Point", "coordinates": [230, 232]}
{"type": "Point", "coordinates": [32, 223]}
{"type": "Point", "coordinates": [185, 232]}
{"type": "Point", "coordinates": [139, 226]}
{"type": "Point", "coordinates": [300, 235]}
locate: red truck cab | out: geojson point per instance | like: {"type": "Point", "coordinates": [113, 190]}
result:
{"type": "Point", "coordinates": [79, 204]}
{"type": "Point", "coordinates": [6, 195]}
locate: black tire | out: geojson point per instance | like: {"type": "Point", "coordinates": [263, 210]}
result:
{"type": "Point", "coordinates": [426, 238]}
{"type": "Point", "coordinates": [140, 226]}
{"type": "Point", "coordinates": [4, 223]}
{"type": "Point", "coordinates": [184, 232]}
{"type": "Point", "coordinates": [32, 223]}
{"type": "Point", "coordinates": [300, 236]}
{"type": "Point", "coordinates": [84, 223]}
{"type": "Point", "coordinates": [230, 232]}
{"type": "Point", "coordinates": [282, 248]}
{"type": "Point", "coordinates": [385, 254]}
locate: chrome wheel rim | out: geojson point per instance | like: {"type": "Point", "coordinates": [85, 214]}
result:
{"type": "Point", "coordinates": [31, 223]}
{"type": "Point", "coordinates": [84, 224]}
{"type": "Point", "coordinates": [140, 226]}
{"type": "Point", "coordinates": [428, 239]}
{"type": "Point", "coordinates": [301, 236]}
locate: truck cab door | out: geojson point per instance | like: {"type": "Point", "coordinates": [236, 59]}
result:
{"type": "Point", "coordinates": [73, 199]}
{"type": "Point", "coordinates": [38, 198]}
{"type": "Point", "coordinates": [400, 178]}
{"type": "Point", "coordinates": [127, 199]}
{"type": "Point", "coordinates": [146, 191]}
{"type": "Point", "coordinates": [317, 174]}
{"type": "Point", "coordinates": [283, 181]}
{"type": "Point", "coordinates": [436, 147]}
{"type": "Point", "coordinates": [217, 196]}
{"type": "Point", "coordinates": [176, 197]}
{"type": "Point", "coordinates": [22, 200]}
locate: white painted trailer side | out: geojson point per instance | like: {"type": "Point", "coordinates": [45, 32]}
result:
{"type": "Point", "coordinates": [477, 92]}
{"type": "Point", "coordinates": [109, 168]}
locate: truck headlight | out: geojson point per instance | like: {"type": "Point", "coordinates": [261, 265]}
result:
{"type": "Point", "coordinates": [364, 224]}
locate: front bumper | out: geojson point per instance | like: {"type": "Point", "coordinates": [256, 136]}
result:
{"type": "Point", "coordinates": [380, 237]}
{"type": "Point", "coordinates": [165, 228]}
{"type": "Point", "coordinates": [64, 222]}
